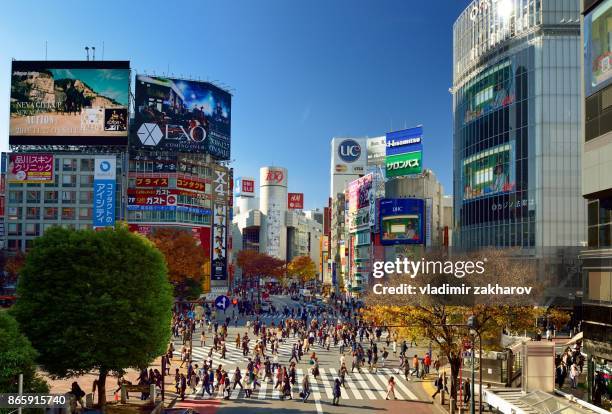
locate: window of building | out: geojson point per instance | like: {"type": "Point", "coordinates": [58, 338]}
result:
{"type": "Point", "coordinates": [50, 197]}
{"type": "Point", "coordinates": [15, 213]}
{"type": "Point", "coordinates": [47, 226]}
{"type": "Point", "coordinates": [84, 226]}
{"type": "Point", "coordinates": [87, 180]}
{"type": "Point", "coordinates": [32, 229]}
{"type": "Point", "coordinates": [599, 286]}
{"type": "Point", "coordinates": [86, 197]}
{"type": "Point", "coordinates": [33, 196]}
{"type": "Point", "coordinates": [69, 180]}
{"type": "Point", "coordinates": [85, 213]}
{"type": "Point", "coordinates": [50, 213]}
{"type": "Point", "coordinates": [55, 182]}
{"type": "Point", "coordinates": [67, 213]}
{"type": "Point", "coordinates": [69, 164]}
{"type": "Point", "coordinates": [68, 197]}
{"type": "Point", "coordinates": [33, 213]}
{"type": "Point", "coordinates": [600, 223]}
{"type": "Point", "coordinates": [15, 196]}
{"type": "Point", "coordinates": [13, 244]}
{"type": "Point", "coordinates": [87, 164]}
{"type": "Point", "coordinates": [14, 229]}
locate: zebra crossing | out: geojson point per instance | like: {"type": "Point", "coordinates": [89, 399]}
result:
{"type": "Point", "coordinates": [364, 386]}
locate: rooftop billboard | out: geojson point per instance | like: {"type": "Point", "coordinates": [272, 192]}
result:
{"type": "Point", "coordinates": [181, 116]}
{"type": "Point", "coordinates": [69, 103]}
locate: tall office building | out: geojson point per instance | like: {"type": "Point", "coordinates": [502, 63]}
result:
{"type": "Point", "coordinates": [597, 189]}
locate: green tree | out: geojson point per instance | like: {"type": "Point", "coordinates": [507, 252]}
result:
{"type": "Point", "coordinates": [94, 302]}
{"type": "Point", "coordinates": [17, 356]}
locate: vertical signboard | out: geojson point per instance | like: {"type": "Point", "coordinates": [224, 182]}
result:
{"type": "Point", "coordinates": [295, 201]}
{"type": "Point", "coordinates": [428, 213]}
{"type": "Point", "coordinates": [220, 186]}
{"type": "Point", "coordinates": [105, 181]}
{"type": "Point", "coordinates": [245, 187]}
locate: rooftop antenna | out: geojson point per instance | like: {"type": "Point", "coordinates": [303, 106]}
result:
{"type": "Point", "coordinates": [94, 52]}
{"type": "Point", "coordinates": [87, 50]}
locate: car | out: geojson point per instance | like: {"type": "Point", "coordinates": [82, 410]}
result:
{"type": "Point", "coordinates": [265, 307]}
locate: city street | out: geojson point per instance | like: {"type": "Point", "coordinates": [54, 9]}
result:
{"type": "Point", "coordinates": [362, 392]}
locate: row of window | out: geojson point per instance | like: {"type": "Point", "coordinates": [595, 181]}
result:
{"type": "Point", "coordinates": [50, 213]}
{"type": "Point", "coordinates": [505, 235]}
{"type": "Point", "coordinates": [599, 214]}
{"type": "Point", "coordinates": [16, 244]}
{"type": "Point", "coordinates": [50, 197]}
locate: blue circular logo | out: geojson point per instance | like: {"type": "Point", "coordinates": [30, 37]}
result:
{"type": "Point", "coordinates": [105, 166]}
{"type": "Point", "coordinates": [349, 150]}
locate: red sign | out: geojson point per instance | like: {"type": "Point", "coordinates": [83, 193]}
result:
{"type": "Point", "coordinates": [190, 184]}
{"type": "Point", "coordinates": [151, 181]}
{"type": "Point", "coordinates": [248, 186]}
{"type": "Point", "coordinates": [137, 228]}
{"type": "Point", "coordinates": [275, 176]}
{"type": "Point", "coordinates": [2, 206]}
{"type": "Point", "coordinates": [295, 201]}
{"type": "Point", "coordinates": [31, 168]}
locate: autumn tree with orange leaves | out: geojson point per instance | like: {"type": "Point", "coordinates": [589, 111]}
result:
{"type": "Point", "coordinates": [303, 268]}
{"type": "Point", "coordinates": [184, 257]}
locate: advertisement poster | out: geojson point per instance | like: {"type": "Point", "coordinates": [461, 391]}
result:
{"type": "Point", "coordinates": [182, 116]}
{"type": "Point", "coordinates": [295, 201]}
{"type": "Point", "coordinates": [598, 47]}
{"type": "Point", "coordinates": [401, 221]}
{"type": "Point", "coordinates": [104, 192]}
{"type": "Point", "coordinates": [403, 141]}
{"type": "Point", "coordinates": [360, 202]}
{"type": "Point", "coordinates": [489, 172]}
{"type": "Point", "coordinates": [377, 150]}
{"type": "Point", "coordinates": [219, 247]}
{"type": "Point", "coordinates": [245, 187]}
{"type": "Point", "coordinates": [69, 102]}
{"type": "Point", "coordinates": [31, 168]}
{"type": "Point", "coordinates": [350, 155]}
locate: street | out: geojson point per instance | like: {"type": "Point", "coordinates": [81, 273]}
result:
{"type": "Point", "coordinates": [362, 392]}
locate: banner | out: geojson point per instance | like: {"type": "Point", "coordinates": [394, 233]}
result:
{"type": "Point", "coordinates": [31, 168]}
{"type": "Point", "coordinates": [182, 116]}
{"type": "Point", "coordinates": [69, 103]}
{"type": "Point", "coordinates": [151, 181]}
{"type": "Point", "coordinates": [105, 181]}
{"type": "Point", "coordinates": [295, 201]}
{"type": "Point", "coordinates": [191, 184]}
{"type": "Point", "coordinates": [404, 164]}
{"type": "Point", "coordinates": [219, 246]}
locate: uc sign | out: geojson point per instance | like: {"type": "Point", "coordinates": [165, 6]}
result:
{"type": "Point", "coordinates": [349, 150]}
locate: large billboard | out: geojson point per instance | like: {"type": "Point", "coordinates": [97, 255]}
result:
{"type": "Point", "coordinates": [489, 172]}
{"type": "Point", "coordinates": [295, 201]}
{"type": "Point", "coordinates": [409, 163]}
{"type": "Point", "coordinates": [377, 150]}
{"type": "Point", "coordinates": [598, 47]}
{"type": "Point", "coordinates": [31, 168]}
{"type": "Point", "coordinates": [402, 221]}
{"type": "Point", "coordinates": [349, 156]}
{"type": "Point", "coordinates": [105, 182]}
{"type": "Point", "coordinates": [489, 91]}
{"type": "Point", "coordinates": [405, 140]}
{"type": "Point", "coordinates": [69, 103]}
{"type": "Point", "coordinates": [245, 187]}
{"type": "Point", "coordinates": [181, 116]}
{"type": "Point", "coordinates": [360, 203]}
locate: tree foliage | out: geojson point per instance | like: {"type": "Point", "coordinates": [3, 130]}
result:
{"type": "Point", "coordinates": [303, 267]}
{"type": "Point", "coordinates": [17, 356]}
{"type": "Point", "coordinates": [184, 257]}
{"type": "Point", "coordinates": [14, 264]}
{"type": "Point", "coordinates": [94, 301]}
{"type": "Point", "coordinates": [254, 264]}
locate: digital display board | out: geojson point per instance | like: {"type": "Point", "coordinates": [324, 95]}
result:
{"type": "Point", "coordinates": [401, 221]}
{"type": "Point", "coordinates": [181, 116]}
{"type": "Point", "coordinates": [491, 90]}
{"type": "Point", "coordinates": [598, 47]}
{"type": "Point", "coordinates": [69, 103]}
{"type": "Point", "coordinates": [489, 172]}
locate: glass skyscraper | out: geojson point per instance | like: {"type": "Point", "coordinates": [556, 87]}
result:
{"type": "Point", "coordinates": [517, 125]}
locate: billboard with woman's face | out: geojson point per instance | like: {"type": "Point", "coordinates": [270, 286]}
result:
{"type": "Point", "coordinates": [402, 221]}
{"type": "Point", "coordinates": [489, 172]}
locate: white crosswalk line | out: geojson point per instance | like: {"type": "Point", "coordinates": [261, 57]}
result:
{"type": "Point", "coordinates": [327, 384]}
{"type": "Point", "coordinates": [405, 389]}
{"type": "Point", "coordinates": [316, 394]}
{"type": "Point", "coordinates": [364, 385]}
{"type": "Point", "coordinates": [262, 390]}
{"type": "Point", "coordinates": [350, 382]}
{"type": "Point", "coordinates": [383, 390]}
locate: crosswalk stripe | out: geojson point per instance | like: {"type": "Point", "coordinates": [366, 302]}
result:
{"type": "Point", "coordinates": [405, 389]}
{"type": "Point", "coordinates": [262, 390]}
{"type": "Point", "coordinates": [351, 384]}
{"type": "Point", "coordinates": [317, 396]}
{"type": "Point", "coordinates": [364, 385]}
{"type": "Point", "coordinates": [326, 383]}
{"type": "Point", "coordinates": [373, 381]}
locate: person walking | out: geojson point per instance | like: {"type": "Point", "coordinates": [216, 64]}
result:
{"type": "Point", "coordinates": [391, 389]}
{"type": "Point", "coordinates": [439, 384]}
{"type": "Point", "coordinates": [573, 374]}
{"type": "Point", "coordinates": [467, 391]}
{"type": "Point", "coordinates": [337, 392]}
{"type": "Point", "coordinates": [305, 388]}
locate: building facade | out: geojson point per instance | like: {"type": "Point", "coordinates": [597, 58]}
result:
{"type": "Point", "coordinates": [597, 190]}
{"type": "Point", "coordinates": [517, 134]}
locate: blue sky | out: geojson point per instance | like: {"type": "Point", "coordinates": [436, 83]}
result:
{"type": "Point", "coordinates": [301, 71]}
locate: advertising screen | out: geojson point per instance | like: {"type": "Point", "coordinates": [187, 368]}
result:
{"type": "Point", "coordinates": [31, 168]}
{"type": "Point", "coordinates": [360, 202]}
{"type": "Point", "coordinates": [219, 253]}
{"type": "Point", "coordinates": [408, 163]}
{"type": "Point", "coordinates": [69, 103]}
{"type": "Point", "coordinates": [181, 116]}
{"type": "Point", "coordinates": [489, 91]}
{"type": "Point", "coordinates": [598, 47]}
{"type": "Point", "coordinates": [489, 172]}
{"type": "Point", "coordinates": [401, 221]}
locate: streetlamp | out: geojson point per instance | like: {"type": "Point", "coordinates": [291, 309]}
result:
{"type": "Point", "coordinates": [472, 323]}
